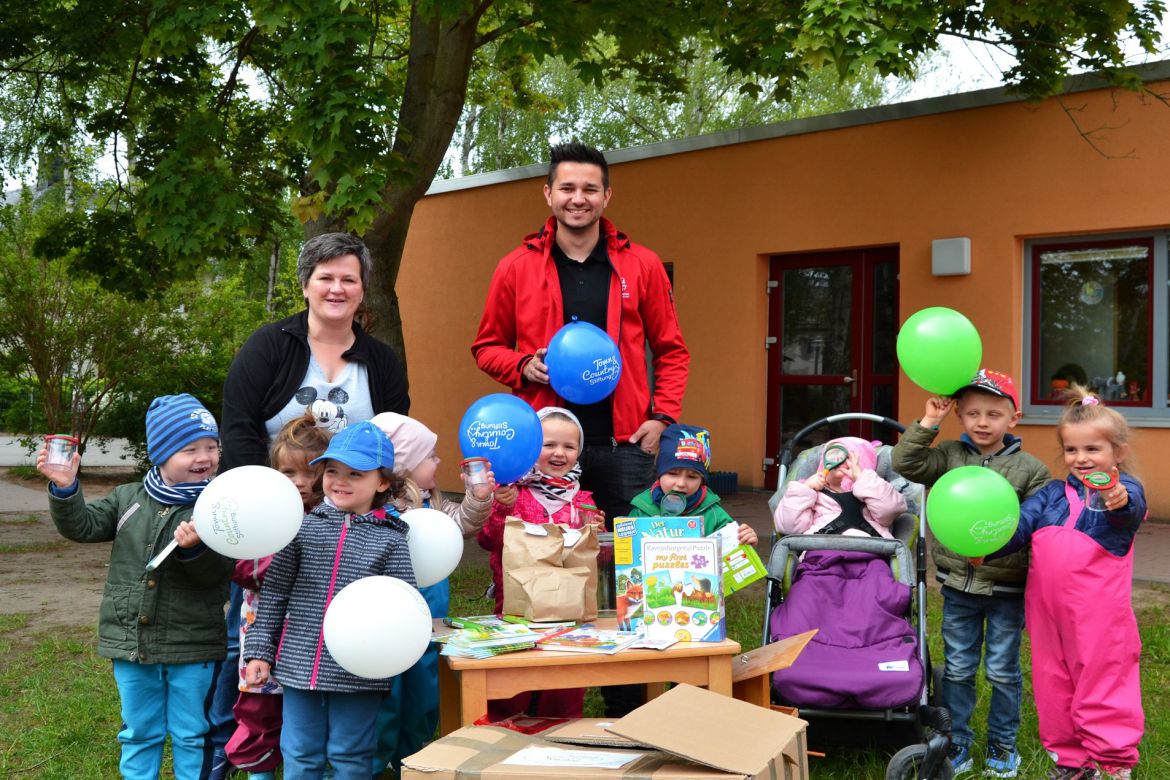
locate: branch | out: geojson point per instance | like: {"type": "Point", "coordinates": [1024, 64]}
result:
{"type": "Point", "coordinates": [502, 30]}
{"type": "Point", "coordinates": [1091, 136]}
{"type": "Point", "coordinates": [242, 50]}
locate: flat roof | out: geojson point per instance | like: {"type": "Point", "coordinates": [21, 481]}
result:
{"type": "Point", "coordinates": [1153, 71]}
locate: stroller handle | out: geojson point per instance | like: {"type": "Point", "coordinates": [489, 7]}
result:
{"type": "Point", "coordinates": [785, 458]}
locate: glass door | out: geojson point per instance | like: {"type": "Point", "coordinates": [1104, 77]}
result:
{"type": "Point", "coordinates": [832, 333]}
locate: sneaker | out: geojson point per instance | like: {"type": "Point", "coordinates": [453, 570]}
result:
{"type": "Point", "coordinates": [1115, 773]}
{"type": "Point", "coordinates": [960, 758]}
{"type": "Point", "coordinates": [1059, 772]}
{"type": "Point", "coordinates": [1002, 761]}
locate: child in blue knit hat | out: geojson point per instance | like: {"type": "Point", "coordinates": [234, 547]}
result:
{"type": "Point", "coordinates": [164, 629]}
{"type": "Point", "coordinates": [684, 456]}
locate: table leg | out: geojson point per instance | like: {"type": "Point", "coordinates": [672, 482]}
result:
{"type": "Point", "coordinates": [449, 699]}
{"type": "Point", "coordinates": [719, 674]}
{"type": "Point", "coordinates": [474, 695]}
{"type": "Point", "coordinates": [654, 690]}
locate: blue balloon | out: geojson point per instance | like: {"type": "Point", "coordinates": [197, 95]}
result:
{"type": "Point", "coordinates": [584, 364]}
{"type": "Point", "coordinates": [506, 431]}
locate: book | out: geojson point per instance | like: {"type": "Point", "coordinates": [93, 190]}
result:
{"type": "Point", "coordinates": [741, 563]}
{"type": "Point", "coordinates": [628, 533]}
{"type": "Point", "coordinates": [587, 639]}
{"type": "Point", "coordinates": [684, 593]}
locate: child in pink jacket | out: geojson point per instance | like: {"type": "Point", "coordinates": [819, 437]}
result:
{"type": "Point", "coordinates": [550, 493]}
{"type": "Point", "coordinates": [844, 496]}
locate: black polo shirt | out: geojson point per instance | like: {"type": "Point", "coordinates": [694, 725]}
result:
{"type": "Point", "coordinates": [585, 296]}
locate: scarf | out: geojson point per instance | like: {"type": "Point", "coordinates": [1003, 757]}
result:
{"type": "Point", "coordinates": [693, 500]}
{"type": "Point", "coordinates": [553, 492]}
{"type": "Point", "coordinates": [171, 495]}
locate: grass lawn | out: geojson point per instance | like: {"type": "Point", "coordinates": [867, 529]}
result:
{"type": "Point", "coordinates": [59, 708]}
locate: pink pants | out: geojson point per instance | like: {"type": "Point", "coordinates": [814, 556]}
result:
{"type": "Point", "coordinates": [1085, 648]}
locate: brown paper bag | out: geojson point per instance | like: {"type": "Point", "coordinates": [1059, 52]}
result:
{"type": "Point", "coordinates": [549, 570]}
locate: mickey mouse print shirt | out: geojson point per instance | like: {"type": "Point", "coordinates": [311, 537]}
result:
{"type": "Point", "coordinates": [334, 404]}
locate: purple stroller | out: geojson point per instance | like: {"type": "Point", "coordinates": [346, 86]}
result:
{"type": "Point", "coordinates": [869, 662]}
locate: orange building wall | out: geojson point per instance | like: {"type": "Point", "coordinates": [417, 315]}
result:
{"type": "Point", "coordinates": [997, 174]}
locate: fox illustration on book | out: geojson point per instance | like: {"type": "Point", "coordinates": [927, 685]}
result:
{"type": "Point", "coordinates": [628, 604]}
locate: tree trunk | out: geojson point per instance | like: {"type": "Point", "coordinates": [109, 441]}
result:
{"type": "Point", "coordinates": [436, 88]}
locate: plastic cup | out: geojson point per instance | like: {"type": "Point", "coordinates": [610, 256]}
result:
{"type": "Point", "coordinates": [61, 450]}
{"type": "Point", "coordinates": [476, 469]}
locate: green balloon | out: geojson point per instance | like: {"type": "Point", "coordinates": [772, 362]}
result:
{"type": "Point", "coordinates": [973, 510]}
{"type": "Point", "coordinates": [939, 349]}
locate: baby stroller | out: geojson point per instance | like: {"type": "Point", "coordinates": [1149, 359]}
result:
{"type": "Point", "coordinates": [869, 663]}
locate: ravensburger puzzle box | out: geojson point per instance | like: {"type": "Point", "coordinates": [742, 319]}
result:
{"type": "Point", "coordinates": [684, 590]}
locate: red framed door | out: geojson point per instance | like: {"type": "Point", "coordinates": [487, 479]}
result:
{"type": "Point", "coordinates": [832, 327]}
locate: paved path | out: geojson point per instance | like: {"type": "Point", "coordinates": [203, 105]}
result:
{"type": "Point", "coordinates": [13, 453]}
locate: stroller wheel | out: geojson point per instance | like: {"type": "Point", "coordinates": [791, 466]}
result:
{"type": "Point", "coordinates": [906, 762]}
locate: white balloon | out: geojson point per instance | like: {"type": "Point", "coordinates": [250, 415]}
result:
{"type": "Point", "coordinates": [377, 627]}
{"type": "Point", "coordinates": [248, 512]}
{"type": "Point", "coordinates": [436, 545]}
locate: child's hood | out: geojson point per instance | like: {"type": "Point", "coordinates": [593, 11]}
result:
{"type": "Point", "coordinates": [866, 452]}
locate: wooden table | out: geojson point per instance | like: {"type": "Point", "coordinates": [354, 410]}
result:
{"type": "Point", "coordinates": [466, 684]}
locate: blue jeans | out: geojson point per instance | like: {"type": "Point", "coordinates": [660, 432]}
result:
{"type": "Point", "coordinates": [333, 728]}
{"type": "Point", "coordinates": [989, 626]}
{"type": "Point", "coordinates": [158, 699]}
{"type": "Point", "coordinates": [227, 687]}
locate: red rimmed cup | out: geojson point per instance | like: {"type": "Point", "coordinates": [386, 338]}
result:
{"type": "Point", "coordinates": [61, 449]}
{"type": "Point", "coordinates": [476, 470]}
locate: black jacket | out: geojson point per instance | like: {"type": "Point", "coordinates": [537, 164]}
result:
{"type": "Point", "coordinates": [268, 370]}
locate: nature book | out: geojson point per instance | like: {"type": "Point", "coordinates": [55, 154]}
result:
{"type": "Point", "coordinates": [628, 533]}
{"type": "Point", "coordinates": [588, 639]}
{"type": "Point", "coordinates": [684, 593]}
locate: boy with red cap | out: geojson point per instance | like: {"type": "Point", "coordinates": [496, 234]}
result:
{"type": "Point", "coordinates": [983, 608]}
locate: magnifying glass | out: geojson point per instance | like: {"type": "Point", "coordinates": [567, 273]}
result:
{"type": "Point", "coordinates": [835, 455]}
{"type": "Point", "coordinates": [673, 503]}
{"type": "Point", "coordinates": [1097, 483]}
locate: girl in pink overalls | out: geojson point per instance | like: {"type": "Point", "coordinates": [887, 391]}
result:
{"type": "Point", "coordinates": [1085, 643]}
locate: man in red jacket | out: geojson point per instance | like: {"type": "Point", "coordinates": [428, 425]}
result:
{"type": "Point", "coordinates": [580, 266]}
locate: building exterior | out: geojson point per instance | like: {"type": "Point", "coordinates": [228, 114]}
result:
{"type": "Point", "coordinates": [797, 250]}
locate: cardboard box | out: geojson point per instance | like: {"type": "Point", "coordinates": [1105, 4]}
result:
{"type": "Point", "coordinates": [691, 734]}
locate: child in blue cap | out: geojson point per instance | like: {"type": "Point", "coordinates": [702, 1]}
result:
{"type": "Point", "coordinates": [164, 628]}
{"type": "Point", "coordinates": [329, 713]}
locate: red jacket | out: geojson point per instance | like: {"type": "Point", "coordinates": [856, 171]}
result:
{"type": "Point", "coordinates": [524, 310]}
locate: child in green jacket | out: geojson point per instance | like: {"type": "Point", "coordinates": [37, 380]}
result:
{"type": "Point", "coordinates": [164, 628]}
{"type": "Point", "coordinates": [684, 455]}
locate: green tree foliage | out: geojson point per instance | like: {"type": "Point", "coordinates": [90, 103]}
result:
{"type": "Point", "coordinates": [510, 116]}
{"type": "Point", "coordinates": [94, 358]}
{"type": "Point", "coordinates": [357, 100]}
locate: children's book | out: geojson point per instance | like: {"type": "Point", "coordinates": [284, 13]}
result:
{"type": "Point", "coordinates": [588, 639]}
{"type": "Point", "coordinates": [628, 533]}
{"type": "Point", "coordinates": [741, 563]}
{"type": "Point", "coordinates": [684, 593]}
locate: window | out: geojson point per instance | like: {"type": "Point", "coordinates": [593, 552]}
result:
{"type": "Point", "coordinates": [1097, 315]}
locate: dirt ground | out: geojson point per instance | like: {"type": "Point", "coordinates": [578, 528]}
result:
{"type": "Point", "coordinates": [60, 582]}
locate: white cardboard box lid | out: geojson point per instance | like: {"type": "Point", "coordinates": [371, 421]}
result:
{"type": "Point", "coordinates": [735, 736]}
